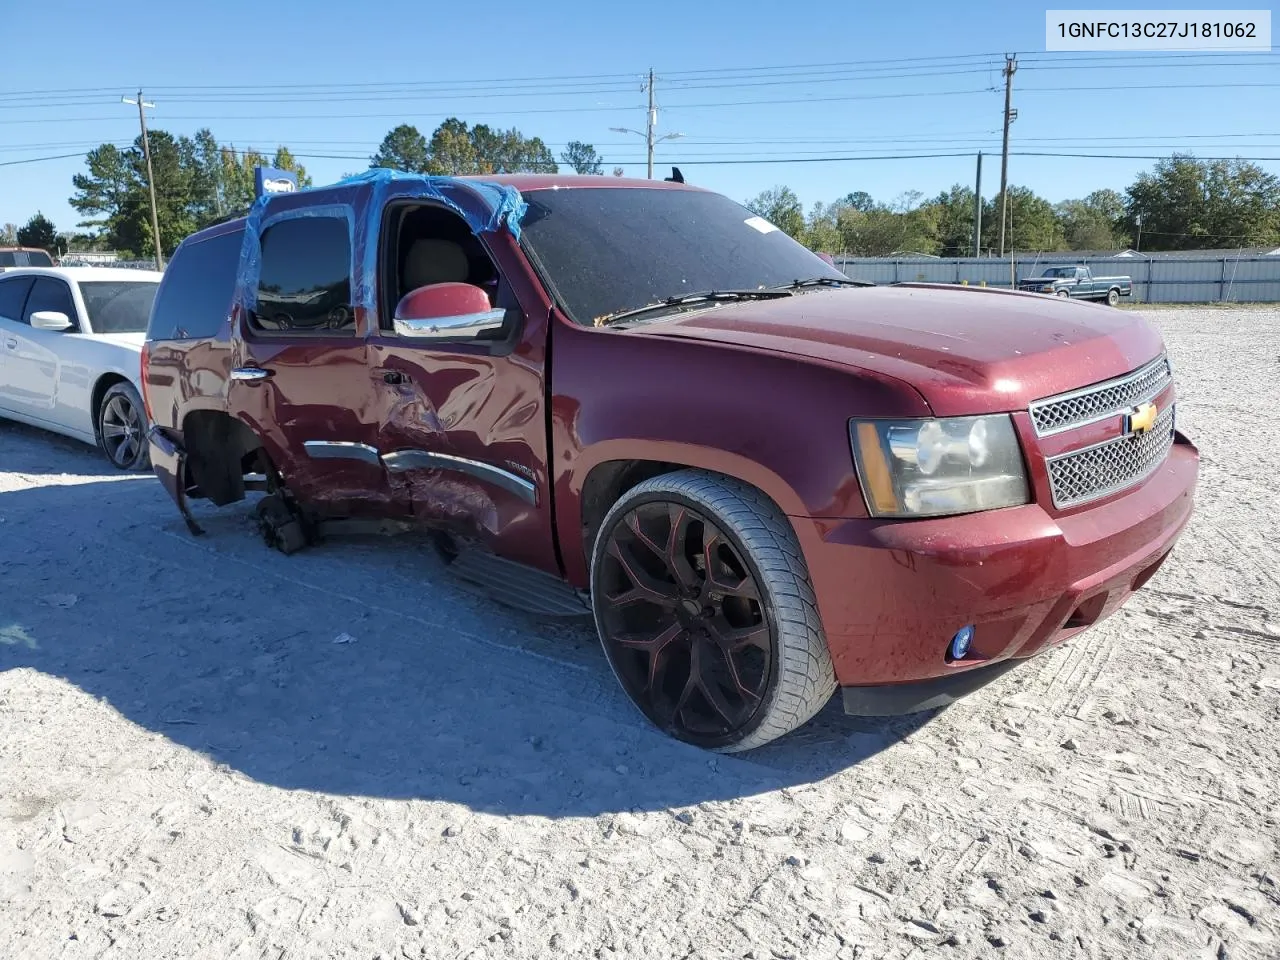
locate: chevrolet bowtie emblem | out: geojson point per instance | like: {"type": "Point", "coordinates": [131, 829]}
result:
{"type": "Point", "coordinates": [1141, 419]}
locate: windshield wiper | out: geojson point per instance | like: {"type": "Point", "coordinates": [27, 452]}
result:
{"type": "Point", "coordinates": [709, 296]}
{"type": "Point", "coordinates": [823, 282]}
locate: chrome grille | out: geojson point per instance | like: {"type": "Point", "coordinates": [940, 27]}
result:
{"type": "Point", "coordinates": [1102, 400]}
{"type": "Point", "coordinates": [1084, 475]}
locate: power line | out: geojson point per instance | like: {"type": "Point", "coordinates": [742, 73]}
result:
{"type": "Point", "coordinates": [546, 110]}
{"type": "Point", "coordinates": [738, 160]}
{"type": "Point", "coordinates": [61, 156]}
{"type": "Point", "coordinates": [1036, 61]}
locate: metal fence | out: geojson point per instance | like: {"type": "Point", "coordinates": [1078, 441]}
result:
{"type": "Point", "coordinates": [1200, 279]}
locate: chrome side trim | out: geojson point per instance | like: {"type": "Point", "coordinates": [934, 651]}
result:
{"type": "Point", "coordinates": [251, 374]}
{"type": "Point", "coordinates": [402, 460]}
{"type": "Point", "coordinates": [446, 328]}
{"type": "Point", "coordinates": [341, 450]}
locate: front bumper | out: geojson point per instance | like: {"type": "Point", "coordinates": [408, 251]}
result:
{"type": "Point", "coordinates": [892, 594]}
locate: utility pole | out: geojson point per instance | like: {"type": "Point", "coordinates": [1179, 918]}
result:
{"type": "Point", "coordinates": [651, 124]}
{"type": "Point", "coordinates": [1010, 68]}
{"type": "Point", "coordinates": [650, 128]}
{"type": "Point", "coordinates": [977, 210]}
{"type": "Point", "coordinates": [151, 177]}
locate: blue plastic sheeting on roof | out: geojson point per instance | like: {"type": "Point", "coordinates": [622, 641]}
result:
{"type": "Point", "coordinates": [505, 203]}
{"type": "Point", "coordinates": [505, 206]}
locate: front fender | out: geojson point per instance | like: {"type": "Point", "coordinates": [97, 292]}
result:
{"type": "Point", "coordinates": [774, 421]}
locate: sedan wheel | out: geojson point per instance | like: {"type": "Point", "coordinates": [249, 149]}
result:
{"type": "Point", "coordinates": [122, 428]}
{"type": "Point", "coordinates": [685, 573]}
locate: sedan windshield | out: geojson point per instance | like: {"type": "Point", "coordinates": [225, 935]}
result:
{"type": "Point", "coordinates": [118, 306]}
{"type": "Point", "coordinates": [610, 250]}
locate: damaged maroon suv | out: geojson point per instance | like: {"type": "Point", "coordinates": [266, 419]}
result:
{"type": "Point", "coordinates": [637, 400]}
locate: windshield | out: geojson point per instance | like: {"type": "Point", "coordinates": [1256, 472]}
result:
{"type": "Point", "coordinates": [604, 250]}
{"type": "Point", "coordinates": [1060, 272]}
{"type": "Point", "coordinates": [118, 306]}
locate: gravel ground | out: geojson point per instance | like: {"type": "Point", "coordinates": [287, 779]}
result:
{"type": "Point", "coordinates": [211, 750]}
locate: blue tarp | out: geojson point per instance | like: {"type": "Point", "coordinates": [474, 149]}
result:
{"type": "Point", "coordinates": [503, 207]}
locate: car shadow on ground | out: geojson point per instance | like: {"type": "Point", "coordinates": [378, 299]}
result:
{"type": "Point", "coordinates": [357, 667]}
{"type": "Point", "coordinates": [35, 452]}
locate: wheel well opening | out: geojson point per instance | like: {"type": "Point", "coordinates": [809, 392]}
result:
{"type": "Point", "coordinates": [105, 383]}
{"type": "Point", "coordinates": [220, 451]}
{"type": "Point", "coordinates": [610, 480]}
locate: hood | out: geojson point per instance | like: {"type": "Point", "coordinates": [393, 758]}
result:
{"type": "Point", "coordinates": [133, 340]}
{"type": "Point", "coordinates": [1043, 279]}
{"type": "Point", "coordinates": [967, 350]}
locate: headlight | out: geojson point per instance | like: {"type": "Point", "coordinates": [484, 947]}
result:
{"type": "Point", "coordinates": [930, 468]}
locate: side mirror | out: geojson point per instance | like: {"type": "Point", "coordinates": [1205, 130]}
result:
{"type": "Point", "coordinates": [54, 320]}
{"type": "Point", "coordinates": [447, 311]}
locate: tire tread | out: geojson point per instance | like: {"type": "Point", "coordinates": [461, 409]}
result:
{"type": "Point", "coordinates": [805, 676]}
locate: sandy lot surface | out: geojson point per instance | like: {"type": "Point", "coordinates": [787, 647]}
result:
{"type": "Point", "coordinates": [211, 750]}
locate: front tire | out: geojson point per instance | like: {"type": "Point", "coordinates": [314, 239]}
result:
{"type": "Point", "coordinates": [705, 609]}
{"type": "Point", "coordinates": [122, 428]}
{"type": "Point", "coordinates": [1063, 294]}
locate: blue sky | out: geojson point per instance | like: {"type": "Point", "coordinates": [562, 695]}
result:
{"type": "Point", "coordinates": [486, 65]}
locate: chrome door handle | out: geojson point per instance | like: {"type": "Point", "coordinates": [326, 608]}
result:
{"type": "Point", "coordinates": [250, 374]}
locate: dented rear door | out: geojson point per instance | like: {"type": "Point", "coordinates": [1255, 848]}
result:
{"type": "Point", "coordinates": [300, 374]}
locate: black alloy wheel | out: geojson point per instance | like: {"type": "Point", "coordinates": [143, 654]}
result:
{"type": "Point", "coordinates": [684, 623]}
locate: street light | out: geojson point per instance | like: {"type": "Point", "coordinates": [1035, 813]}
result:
{"type": "Point", "coordinates": [650, 141]}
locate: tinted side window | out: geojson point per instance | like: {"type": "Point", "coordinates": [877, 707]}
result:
{"type": "Point", "coordinates": [13, 294]}
{"type": "Point", "coordinates": [305, 284]}
{"type": "Point", "coordinates": [25, 258]}
{"type": "Point", "coordinates": [50, 294]}
{"type": "Point", "coordinates": [195, 294]}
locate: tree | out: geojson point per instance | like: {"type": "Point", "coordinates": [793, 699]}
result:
{"type": "Point", "coordinates": [285, 160]}
{"type": "Point", "coordinates": [197, 180]}
{"type": "Point", "coordinates": [9, 234]}
{"type": "Point", "coordinates": [781, 207]}
{"type": "Point", "coordinates": [582, 157]}
{"type": "Point", "coordinates": [39, 232]}
{"type": "Point", "coordinates": [208, 194]}
{"type": "Point", "coordinates": [859, 200]}
{"type": "Point", "coordinates": [456, 150]}
{"type": "Point", "coordinates": [903, 226]}
{"type": "Point", "coordinates": [237, 168]}
{"type": "Point", "coordinates": [451, 150]}
{"type": "Point", "coordinates": [619, 172]}
{"type": "Point", "coordinates": [822, 228]}
{"type": "Point", "coordinates": [1093, 223]}
{"type": "Point", "coordinates": [404, 148]}
{"type": "Point", "coordinates": [107, 192]}
{"type": "Point", "coordinates": [509, 151]}
{"type": "Point", "coordinates": [1031, 225]}
{"type": "Point", "coordinates": [1187, 203]}
{"type": "Point", "coordinates": [173, 166]}
{"type": "Point", "coordinates": [953, 210]}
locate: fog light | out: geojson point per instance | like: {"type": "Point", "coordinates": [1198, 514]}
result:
{"type": "Point", "coordinates": [960, 643]}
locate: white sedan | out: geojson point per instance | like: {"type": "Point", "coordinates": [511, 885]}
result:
{"type": "Point", "coordinates": [70, 347]}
